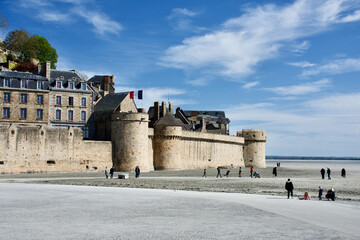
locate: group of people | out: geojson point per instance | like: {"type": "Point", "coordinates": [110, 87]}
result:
{"type": "Point", "coordinates": [290, 187]}
{"type": "Point", "coordinates": [328, 171]}
{"type": "Point", "coordinates": [252, 173]}
{"type": "Point", "coordinates": [112, 170]}
{"type": "Point", "coordinates": [109, 171]}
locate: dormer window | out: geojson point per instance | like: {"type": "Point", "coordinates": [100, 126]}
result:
{"type": "Point", "coordinates": [58, 84]}
{"type": "Point", "coordinates": [24, 83]}
{"type": "Point", "coordinates": [7, 82]}
{"type": "Point", "coordinates": [71, 85]}
{"type": "Point", "coordinates": [83, 86]}
{"type": "Point", "coordinates": [40, 85]}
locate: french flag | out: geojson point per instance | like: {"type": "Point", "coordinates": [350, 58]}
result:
{"type": "Point", "coordinates": [136, 94]}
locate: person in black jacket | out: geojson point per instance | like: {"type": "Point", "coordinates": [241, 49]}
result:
{"type": "Point", "coordinates": [112, 170]}
{"type": "Point", "coordinates": [322, 171]}
{"type": "Point", "coordinates": [137, 172]}
{"type": "Point", "coordinates": [330, 194]}
{"type": "Point", "coordinates": [289, 187]}
{"type": "Point", "coordinates": [328, 173]}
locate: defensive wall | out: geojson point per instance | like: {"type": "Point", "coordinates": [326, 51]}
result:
{"type": "Point", "coordinates": [171, 147]}
{"type": "Point", "coordinates": [50, 149]}
{"type": "Point", "coordinates": [58, 149]}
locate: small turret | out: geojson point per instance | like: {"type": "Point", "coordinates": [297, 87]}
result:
{"type": "Point", "coordinates": [254, 148]}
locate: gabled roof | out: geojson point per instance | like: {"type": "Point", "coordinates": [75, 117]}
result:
{"type": "Point", "coordinates": [65, 76]}
{"type": "Point", "coordinates": [110, 102]}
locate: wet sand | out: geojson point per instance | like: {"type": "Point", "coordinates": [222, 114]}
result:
{"type": "Point", "coordinates": [305, 176]}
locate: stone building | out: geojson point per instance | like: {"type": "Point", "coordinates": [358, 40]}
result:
{"type": "Point", "coordinates": [24, 98]}
{"type": "Point", "coordinates": [215, 121]}
{"type": "Point", "coordinates": [70, 99]}
{"type": "Point", "coordinates": [101, 85]}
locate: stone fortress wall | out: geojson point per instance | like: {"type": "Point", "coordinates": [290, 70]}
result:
{"type": "Point", "coordinates": [171, 147]}
{"type": "Point", "coordinates": [26, 149]}
{"type": "Point", "coordinates": [59, 149]}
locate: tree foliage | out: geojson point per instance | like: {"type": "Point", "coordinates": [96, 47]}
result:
{"type": "Point", "coordinates": [45, 51]}
{"type": "Point", "coordinates": [22, 44]}
{"type": "Point", "coordinates": [26, 46]}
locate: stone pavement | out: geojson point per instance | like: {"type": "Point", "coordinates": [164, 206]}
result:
{"type": "Point", "coordinates": [31, 211]}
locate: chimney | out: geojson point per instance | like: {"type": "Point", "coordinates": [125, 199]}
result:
{"type": "Point", "coordinates": [203, 125]}
{"type": "Point", "coordinates": [171, 108]}
{"type": "Point", "coordinates": [46, 69]}
{"type": "Point", "coordinates": [106, 82]}
{"type": "Point", "coordinates": [163, 109]}
{"type": "Point", "coordinates": [156, 111]}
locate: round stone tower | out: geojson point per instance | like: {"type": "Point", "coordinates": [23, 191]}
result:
{"type": "Point", "coordinates": [129, 136]}
{"type": "Point", "coordinates": [254, 148]}
{"type": "Point", "coordinates": [167, 143]}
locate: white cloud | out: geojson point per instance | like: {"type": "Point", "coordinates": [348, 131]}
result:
{"type": "Point", "coordinates": [302, 89]}
{"type": "Point", "coordinates": [182, 11]}
{"type": "Point", "coordinates": [301, 48]}
{"type": "Point", "coordinates": [198, 82]}
{"type": "Point", "coordinates": [335, 67]}
{"type": "Point", "coordinates": [242, 43]}
{"type": "Point", "coordinates": [327, 126]}
{"type": "Point", "coordinates": [180, 19]}
{"type": "Point", "coordinates": [46, 11]}
{"type": "Point", "coordinates": [302, 64]}
{"type": "Point", "coordinates": [54, 17]}
{"type": "Point", "coordinates": [250, 84]}
{"type": "Point", "coordinates": [351, 18]}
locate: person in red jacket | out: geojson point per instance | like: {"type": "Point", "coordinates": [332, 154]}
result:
{"type": "Point", "coordinates": [251, 172]}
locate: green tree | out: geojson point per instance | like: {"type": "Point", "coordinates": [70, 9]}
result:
{"type": "Point", "coordinates": [22, 44]}
{"type": "Point", "coordinates": [45, 51]}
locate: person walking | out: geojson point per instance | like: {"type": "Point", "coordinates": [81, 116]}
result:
{"type": "Point", "coordinates": [320, 193]}
{"type": "Point", "coordinates": [137, 172]}
{"type": "Point", "coordinates": [322, 171]}
{"type": "Point", "coordinates": [112, 170]}
{"type": "Point", "coordinates": [106, 172]}
{"type": "Point", "coordinates": [240, 172]}
{"type": "Point", "coordinates": [251, 172]}
{"type": "Point", "coordinates": [204, 175]}
{"type": "Point", "coordinates": [275, 172]}
{"type": "Point", "coordinates": [289, 187]}
{"type": "Point", "coordinates": [227, 173]}
{"type": "Point", "coordinates": [343, 173]}
{"type": "Point", "coordinates": [328, 173]}
{"type": "Point", "coordinates": [218, 172]}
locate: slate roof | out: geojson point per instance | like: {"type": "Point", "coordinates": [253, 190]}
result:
{"type": "Point", "coordinates": [110, 102]}
{"type": "Point", "coordinates": [65, 77]}
{"type": "Point", "coordinates": [212, 115]}
{"type": "Point", "coordinates": [15, 78]}
{"type": "Point", "coordinates": [97, 79]}
{"type": "Point", "coordinates": [169, 120]}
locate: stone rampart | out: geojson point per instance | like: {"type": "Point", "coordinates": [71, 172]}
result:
{"type": "Point", "coordinates": [50, 149]}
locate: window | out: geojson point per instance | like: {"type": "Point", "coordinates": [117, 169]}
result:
{"type": "Point", "coordinates": [39, 114]}
{"type": "Point", "coordinates": [70, 115]}
{"type": "Point", "coordinates": [23, 113]}
{"type": "Point", "coordinates": [23, 98]}
{"type": "Point", "coordinates": [6, 82]}
{"type": "Point", "coordinates": [83, 102]}
{"type": "Point", "coordinates": [6, 97]}
{"type": "Point", "coordinates": [83, 115]}
{"type": "Point", "coordinates": [24, 84]}
{"type": "Point", "coordinates": [58, 84]}
{"type": "Point", "coordinates": [58, 100]}
{"type": "Point", "coordinates": [58, 114]}
{"type": "Point", "coordinates": [6, 112]}
{"type": "Point", "coordinates": [40, 85]}
{"type": "Point", "coordinates": [71, 85]}
{"type": "Point", "coordinates": [71, 101]}
{"type": "Point", "coordinates": [83, 86]}
{"type": "Point", "coordinates": [40, 99]}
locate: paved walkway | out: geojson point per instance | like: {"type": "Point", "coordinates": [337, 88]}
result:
{"type": "Point", "coordinates": [30, 211]}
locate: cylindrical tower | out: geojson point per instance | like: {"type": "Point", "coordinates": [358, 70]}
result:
{"type": "Point", "coordinates": [167, 147]}
{"type": "Point", "coordinates": [254, 148]}
{"type": "Point", "coordinates": [129, 136]}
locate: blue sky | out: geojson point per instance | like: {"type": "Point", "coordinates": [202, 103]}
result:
{"type": "Point", "coordinates": [289, 67]}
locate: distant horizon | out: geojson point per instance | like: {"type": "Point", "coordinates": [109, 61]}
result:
{"type": "Point", "coordinates": [280, 157]}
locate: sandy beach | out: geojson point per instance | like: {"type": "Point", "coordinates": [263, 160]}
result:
{"type": "Point", "coordinates": [305, 175]}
